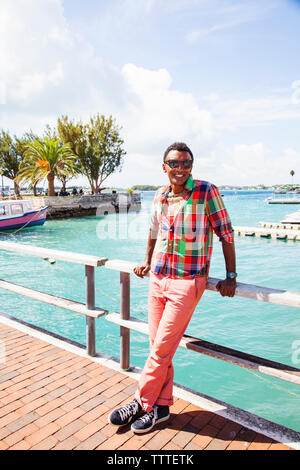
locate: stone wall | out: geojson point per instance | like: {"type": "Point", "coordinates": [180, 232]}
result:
{"type": "Point", "coordinates": [82, 205]}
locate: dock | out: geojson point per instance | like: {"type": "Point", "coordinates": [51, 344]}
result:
{"type": "Point", "coordinates": [281, 225]}
{"type": "Point", "coordinates": [269, 230]}
{"type": "Point", "coordinates": [55, 397]}
{"type": "Point", "coordinates": [291, 198]}
{"type": "Point", "coordinates": [284, 201]}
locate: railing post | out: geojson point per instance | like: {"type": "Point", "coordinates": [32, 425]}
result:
{"type": "Point", "coordinates": [90, 303]}
{"type": "Point", "coordinates": [125, 314]}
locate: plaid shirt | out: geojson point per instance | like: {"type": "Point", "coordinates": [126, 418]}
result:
{"type": "Point", "coordinates": [185, 239]}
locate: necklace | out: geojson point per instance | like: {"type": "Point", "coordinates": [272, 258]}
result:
{"type": "Point", "coordinates": [172, 195]}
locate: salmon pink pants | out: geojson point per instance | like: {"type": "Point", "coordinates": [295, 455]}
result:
{"type": "Point", "coordinates": [171, 305]}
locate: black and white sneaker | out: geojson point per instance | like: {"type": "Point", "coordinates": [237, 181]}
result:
{"type": "Point", "coordinates": [147, 422]}
{"type": "Point", "coordinates": [125, 414]}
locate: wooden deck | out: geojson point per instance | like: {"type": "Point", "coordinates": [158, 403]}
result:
{"type": "Point", "coordinates": [51, 398]}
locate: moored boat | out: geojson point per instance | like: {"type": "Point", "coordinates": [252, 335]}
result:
{"type": "Point", "coordinates": [291, 198]}
{"type": "Point", "coordinates": [17, 214]}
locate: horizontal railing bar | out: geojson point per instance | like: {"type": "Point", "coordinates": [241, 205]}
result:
{"type": "Point", "coordinates": [248, 361]}
{"type": "Point", "coordinates": [79, 258]}
{"type": "Point", "coordinates": [264, 294]}
{"type": "Point", "coordinates": [250, 291]}
{"type": "Point", "coordinates": [121, 265]}
{"type": "Point", "coordinates": [60, 302]}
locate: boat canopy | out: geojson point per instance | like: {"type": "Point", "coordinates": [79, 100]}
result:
{"type": "Point", "coordinates": [14, 208]}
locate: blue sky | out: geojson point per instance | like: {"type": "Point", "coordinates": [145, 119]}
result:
{"type": "Point", "coordinates": [222, 75]}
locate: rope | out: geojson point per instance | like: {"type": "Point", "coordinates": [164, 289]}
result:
{"type": "Point", "coordinates": [274, 385]}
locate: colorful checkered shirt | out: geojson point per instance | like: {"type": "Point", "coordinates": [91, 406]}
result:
{"type": "Point", "coordinates": [185, 239]}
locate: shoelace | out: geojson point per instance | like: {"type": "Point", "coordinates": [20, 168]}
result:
{"type": "Point", "coordinates": [127, 410]}
{"type": "Point", "coordinates": [148, 416]}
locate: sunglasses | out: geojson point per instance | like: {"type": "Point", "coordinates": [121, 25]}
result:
{"type": "Point", "coordinates": [185, 164]}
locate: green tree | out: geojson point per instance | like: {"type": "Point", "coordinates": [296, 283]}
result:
{"type": "Point", "coordinates": [12, 150]}
{"type": "Point", "coordinates": [47, 159]}
{"type": "Point", "coordinates": [97, 144]}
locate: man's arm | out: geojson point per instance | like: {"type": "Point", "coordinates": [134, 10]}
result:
{"type": "Point", "coordinates": [228, 286]}
{"type": "Point", "coordinates": [222, 227]}
{"type": "Point", "coordinates": [142, 269]}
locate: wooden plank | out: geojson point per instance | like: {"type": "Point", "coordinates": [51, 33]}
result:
{"type": "Point", "coordinates": [60, 302]}
{"type": "Point", "coordinates": [239, 358]}
{"type": "Point", "coordinates": [56, 254]}
{"type": "Point", "coordinates": [250, 291]}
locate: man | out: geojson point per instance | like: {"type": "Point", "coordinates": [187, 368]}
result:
{"type": "Point", "coordinates": [184, 216]}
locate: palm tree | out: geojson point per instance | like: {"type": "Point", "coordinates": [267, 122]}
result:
{"type": "Point", "coordinates": [47, 159]}
{"type": "Point", "coordinates": [292, 175]}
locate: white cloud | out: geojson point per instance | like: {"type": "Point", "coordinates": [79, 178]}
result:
{"type": "Point", "coordinates": [33, 84]}
{"type": "Point", "coordinates": [154, 117]}
{"type": "Point", "coordinates": [256, 164]}
{"type": "Point", "coordinates": [235, 113]}
{"type": "Point", "coordinates": [159, 114]}
{"type": "Point", "coordinates": [48, 70]}
{"type": "Point", "coordinates": [34, 42]}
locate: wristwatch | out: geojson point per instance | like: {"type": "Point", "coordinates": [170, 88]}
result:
{"type": "Point", "coordinates": [231, 275]}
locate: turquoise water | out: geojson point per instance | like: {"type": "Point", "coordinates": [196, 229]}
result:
{"type": "Point", "coordinates": [255, 327]}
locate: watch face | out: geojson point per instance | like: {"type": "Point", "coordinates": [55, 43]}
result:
{"type": "Point", "coordinates": [231, 275]}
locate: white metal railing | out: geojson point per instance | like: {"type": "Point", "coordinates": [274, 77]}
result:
{"type": "Point", "coordinates": [275, 296]}
{"type": "Point", "coordinates": [265, 294]}
{"type": "Point", "coordinates": [88, 309]}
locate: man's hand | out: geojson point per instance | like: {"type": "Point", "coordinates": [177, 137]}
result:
{"type": "Point", "coordinates": [141, 270]}
{"type": "Point", "coordinates": [226, 287]}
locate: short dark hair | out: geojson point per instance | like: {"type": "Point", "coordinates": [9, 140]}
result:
{"type": "Point", "coordinates": [180, 146]}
